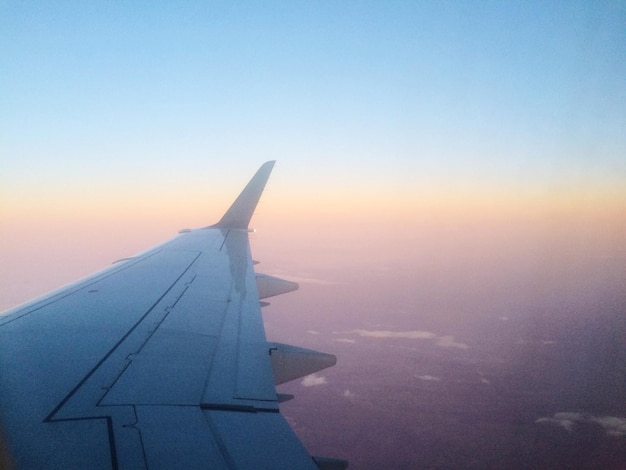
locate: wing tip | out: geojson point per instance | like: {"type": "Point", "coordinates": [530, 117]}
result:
{"type": "Point", "coordinates": [240, 212]}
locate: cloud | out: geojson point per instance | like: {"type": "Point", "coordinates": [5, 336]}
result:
{"type": "Point", "coordinates": [348, 394]}
{"type": "Point", "coordinates": [345, 340]}
{"type": "Point", "coordinates": [313, 380]}
{"type": "Point", "coordinates": [313, 332]}
{"type": "Point", "coordinates": [442, 341]}
{"type": "Point", "coordinates": [431, 378]}
{"type": "Point", "coordinates": [538, 341]}
{"type": "Point", "coordinates": [415, 334]}
{"type": "Point", "coordinates": [566, 424]}
{"type": "Point", "coordinates": [613, 425]}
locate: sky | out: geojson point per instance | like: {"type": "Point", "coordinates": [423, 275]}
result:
{"type": "Point", "coordinates": [439, 165]}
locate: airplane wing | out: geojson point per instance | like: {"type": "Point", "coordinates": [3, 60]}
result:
{"type": "Point", "coordinates": [159, 361]}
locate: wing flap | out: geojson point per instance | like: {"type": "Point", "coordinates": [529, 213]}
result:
{"type": "Point", "coordinates": [269, 443]}
{"type": "Point", "coordinates": [179, 437]}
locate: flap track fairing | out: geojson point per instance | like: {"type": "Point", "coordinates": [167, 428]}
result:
{"type": "Point", "coordinates": [290, 362]}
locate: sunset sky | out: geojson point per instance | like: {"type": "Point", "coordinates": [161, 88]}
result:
{"type": "Point", "coordinates": [123, 118]}
{"type": "Point", "coordinates": [458, 137]}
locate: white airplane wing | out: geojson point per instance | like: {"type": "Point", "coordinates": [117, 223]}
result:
{"type": "Point", "coordinates": [159, 361]}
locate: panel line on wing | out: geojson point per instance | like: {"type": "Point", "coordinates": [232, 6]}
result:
{"type": "Point", "coordinates": [50, 417]}
{"type": "Point", "coordinates": [237, 408]}
{"type": "Point", "coordinates": [157, 324]}
{"type": "Point", "coordinates": [225, 233]}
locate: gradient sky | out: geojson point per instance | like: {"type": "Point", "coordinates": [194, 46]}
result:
{"type": "Point", "coordinates": [407, 135]}
{"type": "Point", "coordinates": [150, 114]}
{"type": "Point", "coordinates": [358, 96]}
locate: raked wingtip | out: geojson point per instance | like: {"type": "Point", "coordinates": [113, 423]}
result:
{"type": "Point", "coordinates": [240, 212]}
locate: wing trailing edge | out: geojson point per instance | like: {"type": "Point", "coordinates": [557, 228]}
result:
{"type": "Point", "coordinates": [240, 212]}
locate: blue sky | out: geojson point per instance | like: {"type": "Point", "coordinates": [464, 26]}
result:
{"type": "Point", "coordinates": [393, 93]}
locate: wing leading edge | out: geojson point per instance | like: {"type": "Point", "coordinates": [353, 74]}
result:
{"type": "Point", "coordinates": [159, 361]}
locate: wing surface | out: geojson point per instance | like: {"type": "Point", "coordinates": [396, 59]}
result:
{"type": "Point", "coordinates": [160, 361]}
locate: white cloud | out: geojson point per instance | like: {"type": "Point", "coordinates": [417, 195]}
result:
{"type": "Point", "coordinates": [564, 423]}
{"type": "Point", "coordinates": [348, 394]}
{"type": "Point", "coordinates": [538, 341]}
{"type": "Point", "coordinates": [313, 379]}
{"type": "Point", "coordinates": [429, 378]}
{"type": "Point", "coordinates": [415, 334]}
{"type": "Point", "coordinates": [613, 425]}
{"type": "Point", "coordinates": [313, 332]}
{"type": "Point", "coordinates": [345, 340]}
{"type": "Point", "coordinates": [442, 341]}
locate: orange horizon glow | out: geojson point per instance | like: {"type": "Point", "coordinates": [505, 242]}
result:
{"type": "Point", "coordinates": [62, 236]}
